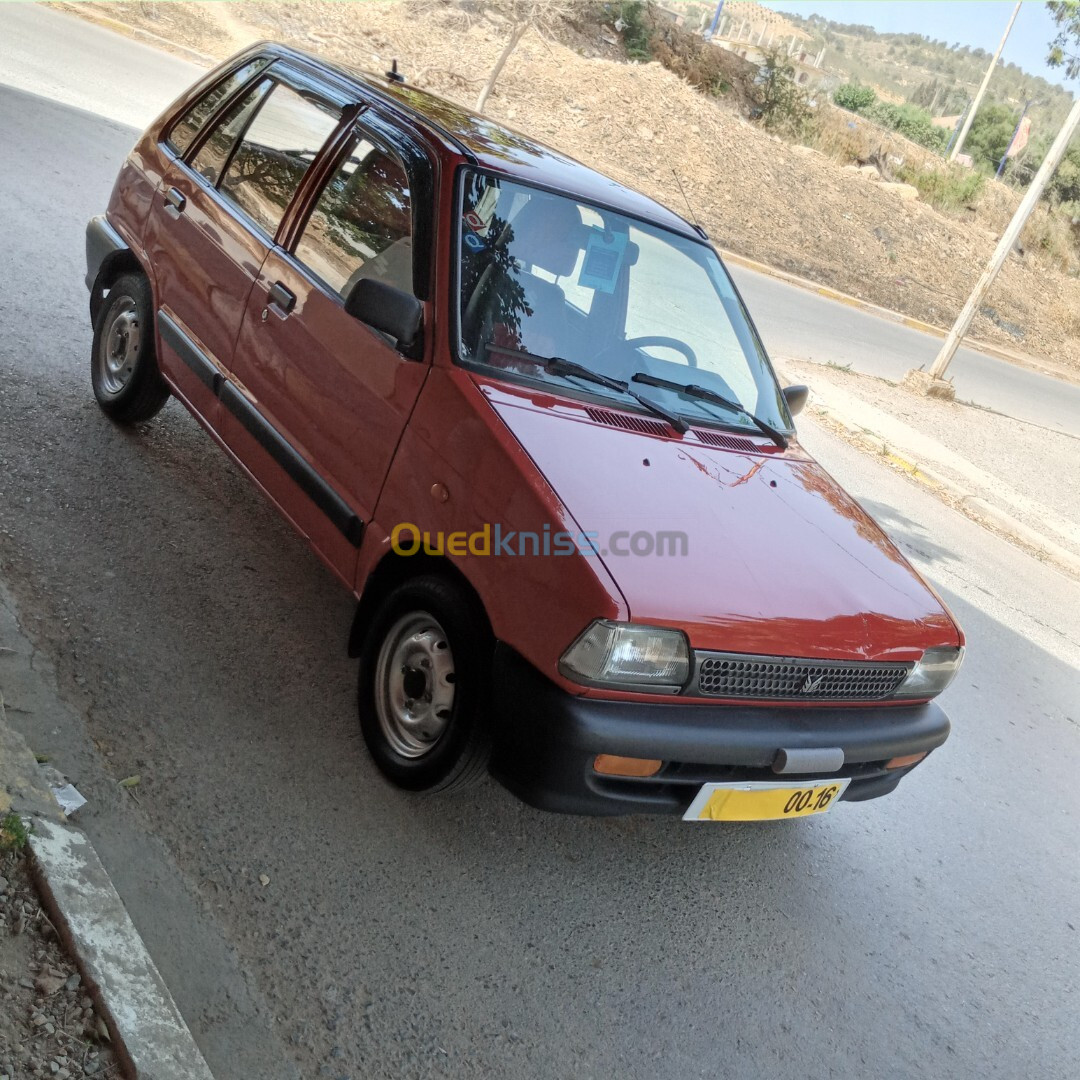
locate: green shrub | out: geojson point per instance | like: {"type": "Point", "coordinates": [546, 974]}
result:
{"type": "Point", "coordinates": [784, 107]}
{"type": "Point", "coordinates": [853, 97]}
{"type": "Point", "coordinates": [1064, 185]}
{"type": "Point", "coordinates": [635, 32]}
{"type": "Point", "coordinates": [944, 189]}
{"type": "Point", "coordinates": [13, 835]}
{"type": "Point", "coordinates": [911, 122]}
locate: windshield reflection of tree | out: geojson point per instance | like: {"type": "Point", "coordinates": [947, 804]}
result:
{"type": "Point", "coordinates": [494, 298]}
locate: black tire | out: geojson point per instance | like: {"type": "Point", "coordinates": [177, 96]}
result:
{"type": "Point", "coordinates": [123, 363]}
{"type": "Point", "coordinates": [458, 757]}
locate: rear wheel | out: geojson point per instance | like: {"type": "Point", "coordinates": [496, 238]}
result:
{"type": "Point", "coordinates": [423, 694]}
{"type": "Point", "coordinates": [123, 364]}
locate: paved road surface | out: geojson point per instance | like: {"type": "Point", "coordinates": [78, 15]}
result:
{"type": "Point", "coordinates": [199, 644]}
{"type": "Point", "coordinates": [796, 322]}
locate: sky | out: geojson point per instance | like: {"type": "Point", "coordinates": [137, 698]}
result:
{"type": "Point", "coordinates": [978, 23]}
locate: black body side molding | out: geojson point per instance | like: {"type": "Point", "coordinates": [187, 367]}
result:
{"type": "Point", "coordinates": [344, 519]}
{"type": "Point", "coordinates": [190, 353]}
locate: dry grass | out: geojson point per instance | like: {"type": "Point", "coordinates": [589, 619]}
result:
{"type": "Point", "coordinates": [847, 137]}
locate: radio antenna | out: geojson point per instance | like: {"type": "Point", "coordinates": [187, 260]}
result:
{"type": "Point", "coordinates": [693, 216]}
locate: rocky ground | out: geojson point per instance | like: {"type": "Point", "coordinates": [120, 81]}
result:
{"type": "Point", "coordinates": [783, 204]}
{"type": "Point", "coordinates": [48, 1026]}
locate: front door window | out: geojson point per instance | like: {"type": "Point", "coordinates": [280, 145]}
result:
{"type": "Point", "coordinates": [361, 226]}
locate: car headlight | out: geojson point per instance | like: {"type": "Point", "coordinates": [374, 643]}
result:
{"type": "Point", "coordinates": [932, 673]}
{"type": "Point", "coordinates": [628, 657]}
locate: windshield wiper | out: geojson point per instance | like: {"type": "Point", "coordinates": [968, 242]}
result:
{"type": "Point", "coordinates": [705, 394]}
{"type": "Point", "coordinates": [557, 365]}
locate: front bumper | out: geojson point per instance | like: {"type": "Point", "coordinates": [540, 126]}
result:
{"type": "Point", "coordinates": [547, 739]}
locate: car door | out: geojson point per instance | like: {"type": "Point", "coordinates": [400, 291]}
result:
{"type": "Point", "coordinates": [206, 244]}
{"type": "Point", "coordinates": [336, 392]}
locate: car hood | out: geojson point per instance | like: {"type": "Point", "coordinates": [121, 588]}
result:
{"type": "Point", "coordinates": [778, 559]}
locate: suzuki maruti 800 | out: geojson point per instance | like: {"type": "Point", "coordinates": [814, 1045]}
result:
{"type": "Point", "coordinates": [522, 413]}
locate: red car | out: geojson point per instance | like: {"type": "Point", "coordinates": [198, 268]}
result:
{"type": "Point", "coordinates": [522, 413]}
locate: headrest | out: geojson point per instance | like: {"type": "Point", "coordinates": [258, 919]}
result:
{"type": "Point", "coordinates": [548, 233]}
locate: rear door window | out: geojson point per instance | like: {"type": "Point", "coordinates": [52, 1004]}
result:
{"type": "Point", "coordinates": [215, 151]}
{"type": "Point", "coordinates": [361, 226]}
{"type": "Point", "coordinates": [189, 125]}
{"type": "Point", "coordinates": [280, 143]}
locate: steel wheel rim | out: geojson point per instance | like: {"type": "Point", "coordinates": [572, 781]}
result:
{"type": "Point", "coordinates": [414, 684]}
{"type": "Point", "coordinates": [119, 347]}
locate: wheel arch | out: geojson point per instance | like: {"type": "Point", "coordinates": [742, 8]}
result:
{"type": "Point", "coordinates": [393, 570]}
{"type": "Point", "coordinates": [113, 267]}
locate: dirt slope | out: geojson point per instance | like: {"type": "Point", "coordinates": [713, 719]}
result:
{"type": "Point", "coordinates": [782, 204]}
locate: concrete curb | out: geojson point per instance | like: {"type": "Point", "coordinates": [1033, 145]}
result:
{"type": "Point", "coordinates": [1044, 367]}
{"type": "Point", "coordinates": [147, 1031]}
{"type": "Point", "coordinates": [975, 507]}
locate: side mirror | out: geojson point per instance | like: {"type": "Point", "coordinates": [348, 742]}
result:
{"type": "Point", "coordinates": [796, 396]}
{"type": "Point", "coordinates": [391, 311]}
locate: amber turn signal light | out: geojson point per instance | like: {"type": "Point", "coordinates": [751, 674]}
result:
{"type": "Point", "coordinates": [905, 761]}
{"type": "Point", "coordinates": [612, 765]}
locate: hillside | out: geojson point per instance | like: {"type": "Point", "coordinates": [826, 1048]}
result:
{"type": "Point", "coordinates": [937, 74]}
{"type": "Point", "coordinates": [783, 204]}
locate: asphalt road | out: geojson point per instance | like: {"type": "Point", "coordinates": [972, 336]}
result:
{"type": "Point", "coordinates": [798, 323]}
{"type": "Point", "coordinates": [197, 643]}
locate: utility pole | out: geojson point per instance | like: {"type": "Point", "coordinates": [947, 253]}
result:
{"type": "Point", "coordinates": [959, 145]}
{"type": "Point", "coordinates": [715, 21]}
{"type": "Point", "coordinates": [956, 130]}
{"type": "Point", "coordinates": [926, 380]}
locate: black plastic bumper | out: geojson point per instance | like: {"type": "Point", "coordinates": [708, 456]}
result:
{"type": "Point", "coordinates": [547, 740]}
{"type": "Point", "coordinates": [102, 242]}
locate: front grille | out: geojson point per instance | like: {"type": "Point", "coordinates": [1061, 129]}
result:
{"type": "Point", "coordinates": [737, 675]}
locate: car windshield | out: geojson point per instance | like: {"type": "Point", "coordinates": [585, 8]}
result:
{"type": "Point", "coordinates": [544, 276]}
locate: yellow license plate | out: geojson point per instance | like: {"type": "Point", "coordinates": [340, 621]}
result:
{"type": "Point", "coordinates": [764, 801]}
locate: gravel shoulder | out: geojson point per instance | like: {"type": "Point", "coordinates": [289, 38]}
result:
{"type": "Point", "coordinates": [1026, 470]}
{"type": "Point", "coordinates": [48, 1025]}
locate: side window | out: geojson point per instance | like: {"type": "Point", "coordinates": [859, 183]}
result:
{"type": "Point", "coordinates": [190, 124]}
{"type": "Point", "coordinates": [215, 151]}
{"type": "Point", "coordinates": [361, 226]}
{"type": "Point", "coordinates": [279, 145]}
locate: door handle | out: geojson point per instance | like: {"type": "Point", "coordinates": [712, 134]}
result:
{"type": "Point", "coordinates": [282, 298]}
{"type": "Point", "coordinates": [175, 201]}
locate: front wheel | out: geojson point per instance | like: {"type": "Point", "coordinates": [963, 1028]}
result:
{"type": "Point", "coordinates": [123, 364]}
{"type": "Point", "coordinates": [423, 694]}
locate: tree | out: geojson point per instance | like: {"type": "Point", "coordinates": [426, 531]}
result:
{"type": "Point", "coordinates": [1064, 185]}
{"type": "Point", "coordinates": [784, 107]}
{"type": "Point", "coordinates": [520, 15]}
{"type": "Point", "coordinates": [990, 135]}
{"type": "Point", "coordinates": [911, 121]}
{"type": "Point", "coordinates": [1065, 48]}
{"type": "Point", "coordinates": [925, 95]}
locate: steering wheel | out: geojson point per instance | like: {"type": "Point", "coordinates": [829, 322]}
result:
{"type": "Point", "coordinates": [652, 339]}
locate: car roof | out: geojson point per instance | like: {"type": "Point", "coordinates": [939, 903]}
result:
{"type": "Point", "coordinates": [494, 146]}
